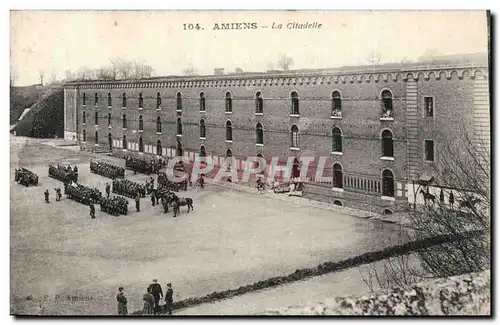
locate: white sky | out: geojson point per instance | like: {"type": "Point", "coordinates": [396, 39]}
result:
{"type": "Point", "coordinates": [61, 40]}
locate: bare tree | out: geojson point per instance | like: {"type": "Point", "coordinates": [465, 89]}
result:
{"type": "Point", "coordinates": [429, 55]}
{"type": "Point", "coordinates": [105, 73]}
{"type": "Point", "coordinates": [142, 70]}
{"type": "Point", "coordinates": [41, 73]}
{"type": "Point", "coordinates": [285, 62]}
{"type": "Point", "coordinates": [373, 58]}
{"type": "Point", "coordinates": [53, 76]}
{"type": "Point", "coordinates": [238, 70]}
{"type": "Point", "coordinates": [190, 71]}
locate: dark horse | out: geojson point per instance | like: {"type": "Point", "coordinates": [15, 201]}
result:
{"type": "Point", "coordinates": [180, 202]}
{"type": "Point", "coordinates": [428, 196]}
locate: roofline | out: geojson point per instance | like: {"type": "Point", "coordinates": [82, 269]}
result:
{"type": "Point", "coordinates": [341, 71]}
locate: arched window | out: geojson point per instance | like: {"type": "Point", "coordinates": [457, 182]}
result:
{"type": "Point", "coordinates": [336, 140]}
{"type": "Point", "coordinates": [259, 130]}
{"type": "Point", "coordinates": [110, 141]}
{"type": "Point", "coordinates": [124, 142]}
{"type": "Point", "coordinates": [141, 123]}
{"type": "Point", "coordinates": [84, 118]}
{"type": "Point", "coordinates": [387, 212]}
{"type": "Point", "coordinates": [295, 103]}
{"type": "Point", "coordinates": [96, 118]}
{"type": "Point", "coordinates": [229, 153]}
{"type": "Point", "coordinates": [387, 183]}
{"type": "Point", "coordinates": [124, 120]}
{"type": "Point", "coordinates": [259, 103]}
{"type": "Point", "coordinates": [387, 104]}
{"type": "Point", "coordinates": [158, 100]}
{"type": "Point", "coordinates": [158, 125]}
{"type": "Point", "coordinates": [202, 102]}
{"type": "Point", "coordinates": [179, 126]}
{"type": "Point", "coordinates": [202, 129]}
{"type": "Point", "coordinates": [96, 99]}
{"type": "Point", "coordinates": [109, 119]}
{"type": "Point", "coordinates": [229, 131]}
{"type": "Point", "coordinates": [229, 102]}
{"type": "Point", "coordinates": [337, 202]}
{"type": "Point", "coordinates": [141, 101]}
{"type": "Point", "coordinates": [84, 100]}
{"type": "Point", "coordinates": [124, 100]}
{"type": "Point", "coordinates": [179, 102]}
{"type": "Point", "coordinates": [337, 176]}
{"type": "Point", "coordinates": [336, 104]}
{"type": "Point", "coordinates": [109, 100]}
{"type": "Point", "coordinates": [96, 137]}
{"type": "Point", "coordinates": [295, 136]}
{"type": "Point", "coordinates": [84, 133]}
{"type": "Point", "coordinates": [387, 144]}
{"type": "Point", "coordinates": [158, 147]}
{"type": "Point", "coordinates": [141, 145]}
{"type": "Point", "coordinates": [203, 152]}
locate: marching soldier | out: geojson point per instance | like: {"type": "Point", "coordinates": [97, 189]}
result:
{"type": "Point", "coordinates": [137, 203]}
{"type": "Point", "coordinates": [164, 203]}
{"type": "Point", "coordinates": [46, 193]}
{"type": "Point", "coordinates": [92, 211]}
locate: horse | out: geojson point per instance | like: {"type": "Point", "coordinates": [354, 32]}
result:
{"type": "Point", "coordinates": [469, 203]}
{"type": "Point", "coordinates": [428, 196]}
{"type": "Point", "coordinates": [182, 201]}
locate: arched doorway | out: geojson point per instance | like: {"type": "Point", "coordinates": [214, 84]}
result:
{"type": "Point", "coordinates": [110, 141]}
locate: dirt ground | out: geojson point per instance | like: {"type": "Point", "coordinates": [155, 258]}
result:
{"type": "Point", "coordinates": [74, 265]}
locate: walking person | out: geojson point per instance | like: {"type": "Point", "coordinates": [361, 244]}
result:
{"type": "Point", "coordinates": [122, 302]}
{"type": "Point", "coordinates": [149, 302]}
{"type": "Point", "coordinates": [108, 190]}
{"type": "Point", "coordinates": [46, 193]}
{"type": "Point", "coordinates": [137, 203]}
{"type": "Point", "coordinates": [169, 299]}
{"type": "Point", "coordinates": [58, 194]}
{"type": "Point", "coordinates": [153, 201]}
{"type": "Point", "coordinates": [157, 293]}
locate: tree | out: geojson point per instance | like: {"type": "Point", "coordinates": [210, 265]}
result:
{"type": "Point", "coordinates": [462, 208]}
{"type": "Point", "coordinates": [285, 62]}
{"type": "Point", "coordinates": [374, 58]}
{"type": "Point", "coordinates": [41, 73]}
{"type": "Point", "coordinates": [238, 70]}
{"type": "Point", "coordinates": [430, 55]}
{"type": "Point", "coordinates": [190, 71]}
{"type": "Point", "coordinates": [142, 70]}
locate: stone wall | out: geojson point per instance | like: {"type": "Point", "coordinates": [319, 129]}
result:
{"type": "Point", "coordinates": [460, 295]}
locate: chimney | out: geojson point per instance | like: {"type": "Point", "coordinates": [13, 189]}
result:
{"type": "Point", "coordinates": [218, 71]}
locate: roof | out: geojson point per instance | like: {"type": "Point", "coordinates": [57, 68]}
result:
{"type": "Point", "coordinates": [449, 61]}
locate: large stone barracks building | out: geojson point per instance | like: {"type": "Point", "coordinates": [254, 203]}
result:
{"type": "Point", "coordinates": [380, 127]}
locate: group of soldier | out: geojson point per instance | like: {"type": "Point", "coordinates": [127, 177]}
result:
{"type": "Point", "coordinates": [25, 177]}
{"type": "Point", "coordinates": [64, 174]}
{"type": "Point", "coordinates": [115, 205]}
{"type": "Point", "coordinates": [82, 194]}
{"type": "Point", "coordinates": [128, 188]}
{"type": "Point", "coordinates": [143, 166]}
{"type": "Point", "coordinates": [107, 170]}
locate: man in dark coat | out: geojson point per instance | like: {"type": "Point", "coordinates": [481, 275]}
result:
{"type": "Point", "coordinates": [169, 299]}
{"type": "Point", "coordinates": [153, 198]}
{"type": "Point", "coordinates": [46, 193]}
{"type": "Point", "coordinates": [137, 203]}
{"type": "Point", "coordinates": [157, 293]}
{"type": "Point", "coordinates": [108, 190]}
{"type": "Point", "coordinates": [92, 211]}
{"type": "Point", "coordinates": [58, 194]}
{"type": "Point", "coordinates": [122, 302]}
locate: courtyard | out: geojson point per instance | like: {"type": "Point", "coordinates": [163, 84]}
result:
{"type": "Point", "coordinates": [232, 238]}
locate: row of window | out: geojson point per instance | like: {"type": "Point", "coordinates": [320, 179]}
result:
{"type": "Point", "coordinates": [387, 137]}
{"type": "Point", "coordinates": [386, 95]}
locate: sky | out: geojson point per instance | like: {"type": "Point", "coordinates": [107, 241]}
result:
{"type": "Point", "coordinates": [56, 41]}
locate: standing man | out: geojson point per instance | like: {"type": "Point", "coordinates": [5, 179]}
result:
{"type": "Point", "coordinates": [153, 200]}
{"type": "Point", "coordinates": [122, 302]}
{"type": "Point", "coordinates": [137, 202]}
{"type": "Point", "coordinates": [46, 193]}
{"type": "Point", "coordinates": [157, 293]}
{"type": "Point", "coordinates": [92, 211]}
{"type": "Point", "coordinates": [169, 298]}
{"type": "Point", "coordinates": [108, 190]}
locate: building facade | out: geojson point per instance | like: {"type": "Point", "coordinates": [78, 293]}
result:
{"type": "Point", "coordinates": [379, 128]}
